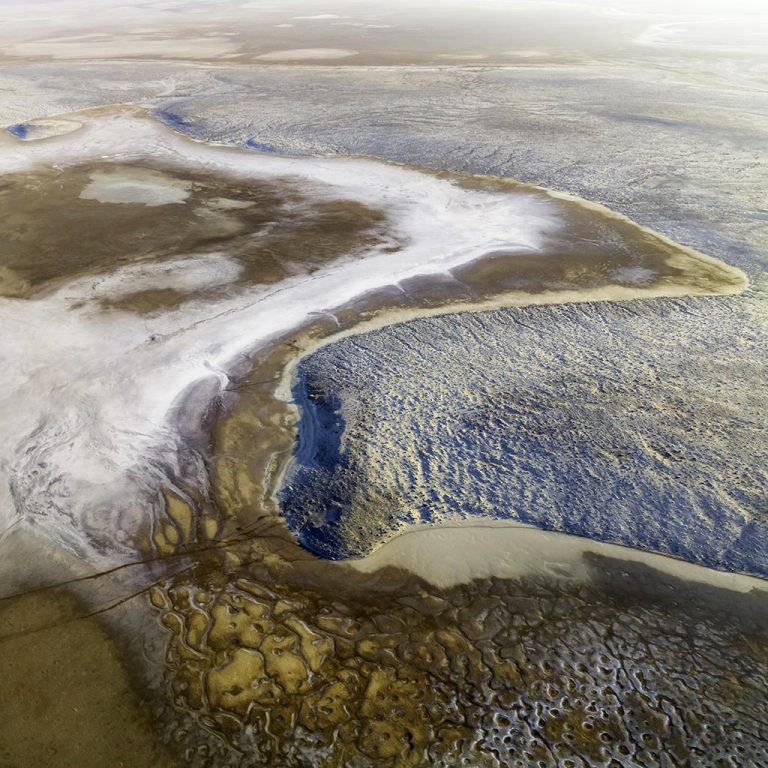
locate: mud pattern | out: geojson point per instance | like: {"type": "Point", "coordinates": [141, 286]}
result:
{"type": "Point", "coordinates": [266, 669]}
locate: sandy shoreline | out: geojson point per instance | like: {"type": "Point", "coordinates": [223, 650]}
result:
{"type": "Point", "coordinates": [460, 551]}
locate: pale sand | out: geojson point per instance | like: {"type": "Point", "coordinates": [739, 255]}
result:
{"type": "Point", "coordinates": [307, 54]}
{"type": "Point", "coordinates": [116, 47]}
{"type": "Point", "coordinates": [462, 56]}
{"type": "Point", "coordinates": [458, 552]}
{"type": "Point", "coordinates": [529, 54]}
{"type": "Point", "coordinates": [135, 185]}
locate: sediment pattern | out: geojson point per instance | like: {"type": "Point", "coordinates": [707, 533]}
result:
{"type": "Point", "coordinates": [286, 664]}
{"type": "Point", "coordinates": [275, 671]}
{"type": "Point", "coordinates": [613, 422]}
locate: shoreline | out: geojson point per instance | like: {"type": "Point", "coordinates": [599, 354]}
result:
{"type": "Point", "coordinates": [358, 288]}
{"type": "Point", "coordinates": [508, 550]}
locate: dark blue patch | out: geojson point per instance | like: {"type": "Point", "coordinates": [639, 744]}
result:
{"type": "Point", "coordinates": [19, 130]}
{"type": "Point", "coordinates": [323, 410]}
{"type": "Point", "coordinates": [260, 146]}
{"type": "Point", "coordinates": [173, 120]}
{"type": "Point", "coordinates": [318, 451]}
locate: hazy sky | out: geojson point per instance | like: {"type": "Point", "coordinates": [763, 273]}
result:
{"type": "Point", "coordinates": [478, 29]}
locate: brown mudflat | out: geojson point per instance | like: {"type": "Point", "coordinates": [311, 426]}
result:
{"type": "Point", "coordinates": [94, 218]}
{"type": "Point", "coordinates": [67, 697]}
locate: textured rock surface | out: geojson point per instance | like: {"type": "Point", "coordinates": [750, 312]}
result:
{"type": "Point", "coordinates": [631, 423]}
